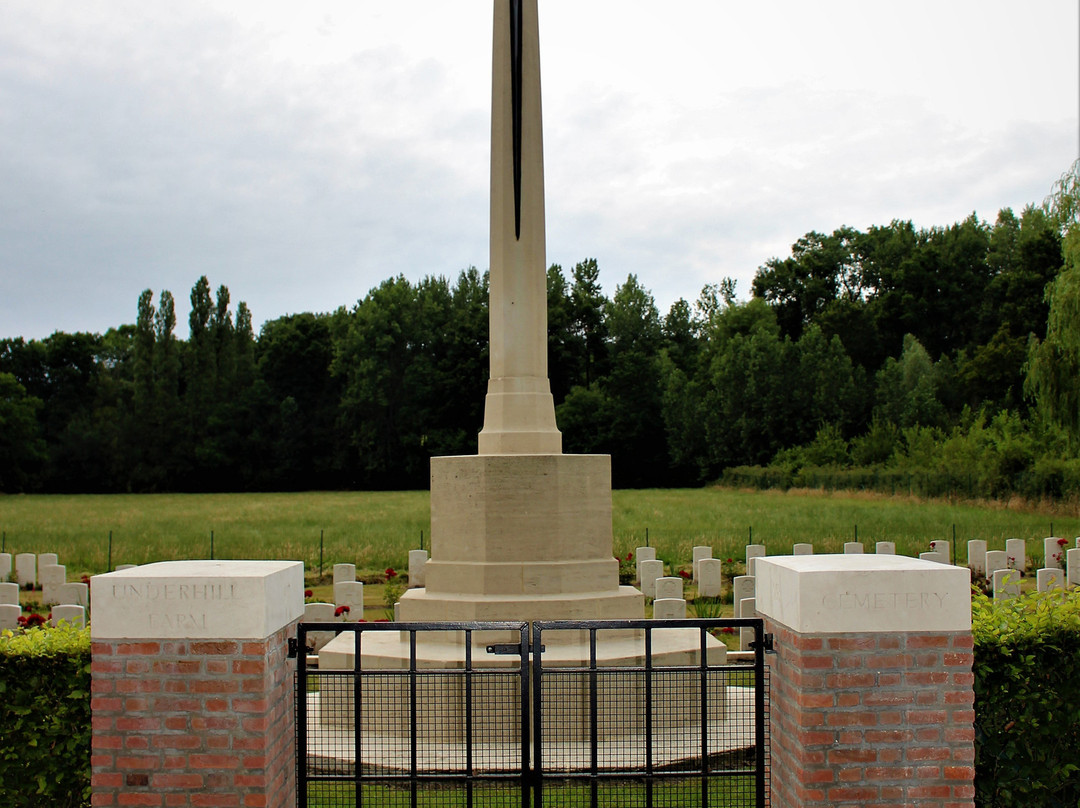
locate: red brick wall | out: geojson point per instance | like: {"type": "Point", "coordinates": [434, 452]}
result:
{"type": "Point", "coordinates": [193, 723]}
{"type": "Point", "coordinates": [882, 720]}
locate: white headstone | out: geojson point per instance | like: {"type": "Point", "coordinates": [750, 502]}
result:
{"type": "Point", "coordinates": [669, 588]}
{"type": "Point", "coordinates": [885, 548]}
{"type": "Point", "coordinates": [351, 594]}
{"type": "Point", "coordinates": [1078, 542]}
{"type": "Point", "coordinates": [319, 613]}
{"type": "Point", "coordinates": [75, 615]}
{"type": "Point", "coordinates": [47, 559]}
{"type": "Point", "coordinates": [73, 594]}
{"type": "Point", "coordinates": [938, 558]}
{"type": "Point", "coordinates": [52, 577]}
{"type": "Point", "coordinates": [977, 556]}
{"type": "Point", "coordinates": [1006, 584]}
{"type": "Point", "coordinates": [742, 587]}
{"type": "Point", "coordinates": [26, 570]}
{"type": "Point", "coordinates": [803, 548]}
{"type": "Point", "coordinates": [1016, 553]}
{"type": "Point", "coordinates": [853, 548]}
{"type": "Point", "coordinates": [5, 565]}
{"type": "Point", "coordinates": [1054, 552]}
{"type": "Point", "coordinates": [417, 560]}
{"type": "Point", "coordinates": [700, 551]}
{"type": "Point", "coordinates": [943, 547]}
{"type": "Point", "coordinates": [996, 560]}
{"type": "Point", "coordinates": [643, 554]}
{"type": "Point", "coordinates": [1072, 559]}
{"type": "Point", "coordinates": [344, 572]}
{"type": "Point", "coordinates": [710, 577]}
{"type": "Point", "coordinates": [753, 551]}
{"type": "Point", "coordinates": [650, 570]}
{"type": "Point", "coordinates": [122, 567]}
{"type": "Point", "coordinates": [9, 594]}
{"type": "Point", "coordinates": [747, 608]}
{"type": "Point", "coordinates": [669, 609]}
{"type": "Point", "coordinates": [1050, 578]}
{"type": "Point", "coordinates": [9, 616]}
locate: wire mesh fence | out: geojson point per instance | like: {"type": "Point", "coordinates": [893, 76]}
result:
{"type": "Point", "coordinates": [626, 713]}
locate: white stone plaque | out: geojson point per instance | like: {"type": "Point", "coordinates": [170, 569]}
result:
{"type": "Point", "coordinates": [26, 569]}
{"type": "Point", "coordinates": [417, 561]}
{"type": "Point", "coordinates": [669, 609]}
{"type": "Point", "coordinates": [643, 554]}
{"type": "Point", "coordinates": [669, 588]}
{"type": "Point", "coordinates": [75, 615]}
{"type": "Point", "coordinates": [1049, 578]}
{"type": "Point", "coordinates": [885, 548]}
{"type": "Point", "coordinates": [1072, 559]}
{"type": "Point", "coordinates": [5, 565]}
{"type": "Point", "coordinates": [710, 577]}
{"type": "Point", "coordinates": [853, 548]}
{"type": "Point", "coordinates": [9, 616]}
{"type": "Point", "coordinates": [802, 548]}
{"type": "Point", "coordinates": [344, 572]}
{"type": "Point", "coordinates": [743, 587]}
{"type": "Point", "coordinates": [977, 556]}
{"type": "Point", "coordinates": [1054, 552]}
{"type": "Point", "coordinates": [650, 571]}
{"type": "Point", "coordinates": [9, 594]}
{"type": "Point", "coordinates": [753, 552]}
{"type": "Point", "coordinates": [700, 551]}
{"type": "Point", "coordinates": [996, 560]}
{"type": "Point", "coordinates": [198, 600]}
{"type": "Point", "coordinates": [1016, 554]}
{"type": "Point", "coordinates": [1006, 584]}
{"type": "Point", "coordinates": [47, 560]}
{"type": "Point", "coordinates": [863, 593]}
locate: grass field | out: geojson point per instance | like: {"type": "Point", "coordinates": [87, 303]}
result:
{"type": "Point", "coordinates": [376, 530]}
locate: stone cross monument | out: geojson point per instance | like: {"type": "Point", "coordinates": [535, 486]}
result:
{"type": "Point", "coordinates": [519, 531]}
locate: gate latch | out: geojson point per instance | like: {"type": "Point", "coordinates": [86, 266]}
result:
{"type": "Point", "coordinates": [510, 648]}
{"type": "Point", "coordinates": [294, 647]}
{"type": "Point", "coordinates": [766, 643]}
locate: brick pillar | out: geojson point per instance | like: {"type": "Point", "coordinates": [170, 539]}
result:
{"type": "Point", "coordinates": [871, 684]}
{"type": "Point", "coordinates": [182, 717]}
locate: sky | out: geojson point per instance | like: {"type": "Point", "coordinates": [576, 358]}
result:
{"type": "Point", "coordinates": [300, 154]}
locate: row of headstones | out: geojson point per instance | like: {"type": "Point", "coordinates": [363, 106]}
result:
{"type": "Point", "coordinates": [71, 600]}
{"type": "Point", "coordinates": [349, 592]}
{"type": "Point", "coordinates": [669, 603]}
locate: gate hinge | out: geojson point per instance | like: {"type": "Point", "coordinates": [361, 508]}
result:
{"type": "Point", "coordinates": [294, 647]}
{"type": "Point", "coordinates": [766, 643]}
{"type": "Point", "coordinates": [510, 648]}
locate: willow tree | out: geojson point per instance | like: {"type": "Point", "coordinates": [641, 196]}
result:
{"type": "Point", "coordinates": [1053, 368]}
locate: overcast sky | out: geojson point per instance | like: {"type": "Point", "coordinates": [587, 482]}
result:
{"type": "Point", "coordinates": [300, 153]}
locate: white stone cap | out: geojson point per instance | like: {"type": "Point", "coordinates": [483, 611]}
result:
{"type": "Point", "coordinates": [197, 600]}
{"type": "Point", "coordinates": [833, 594]}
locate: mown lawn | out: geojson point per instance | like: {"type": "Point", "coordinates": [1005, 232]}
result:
{"type": "Point", "coordinates": [376, 530]}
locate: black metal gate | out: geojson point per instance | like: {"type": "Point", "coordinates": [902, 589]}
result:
{"type": "Point", "coordinates": [591, 713]}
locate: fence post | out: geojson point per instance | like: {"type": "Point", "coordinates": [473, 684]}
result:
{"type": "Point", "coordinates": [871, 684]}
{"type": "Point", "coordinates": [192, 690]}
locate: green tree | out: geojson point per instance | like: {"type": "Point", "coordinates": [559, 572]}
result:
{"type": "Point", "coordinates": [22, 450]}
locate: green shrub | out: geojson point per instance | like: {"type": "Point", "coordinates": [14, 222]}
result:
{"type": "Point", "coordinates": [1027, 701]}
{"type": "Point", "coordinates": [45, 718]}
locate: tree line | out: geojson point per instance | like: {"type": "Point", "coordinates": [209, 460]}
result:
{"type": "Point", "coordinates": [868, 349]}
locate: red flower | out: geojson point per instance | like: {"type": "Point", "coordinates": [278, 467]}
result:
{"type": "Point", "coordinates": [31, 621]}
{"type": "Point", "coordinates": [731, 561]}
{"type": "Point", "coordinates": [340, 610]}
{"type": "Point", "coordinates": [727, 630]}
{"type": "Point", "coordinates": [308, 593]}
{"type": "Point", "coordinates": [390, 573]}
{"type": "Point", "coordinates": [933, 545]}
{"type": "Point", "coordinates": [684, 574]}
{"type": "Point", "coordinates": [1062, 542]}
{"type": "Point", "coordinates": [630, 556]}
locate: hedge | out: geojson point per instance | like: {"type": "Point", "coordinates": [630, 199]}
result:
{"type": "Point", "coordinates": [45, 718]}
{"type": "Point", "coordinates": [1027, 701]}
